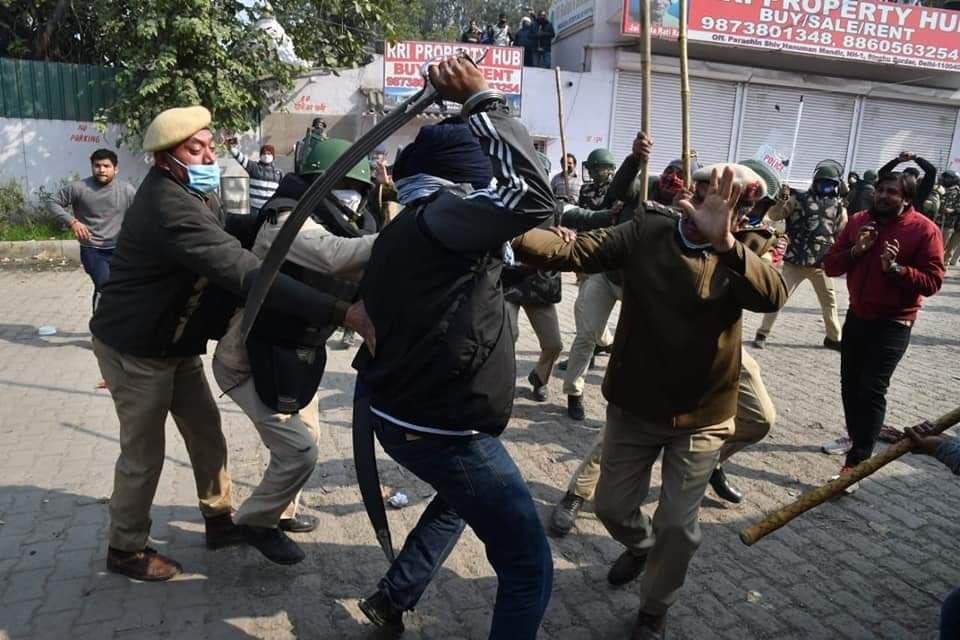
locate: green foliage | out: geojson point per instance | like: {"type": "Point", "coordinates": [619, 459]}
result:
{"type": "Point", "coordinates": [12, 200]}
{"type": "Point", "coordinates": [57, 30]}
{"type": "Point", "coordinates": [22, 220]}
{"type": "Point", "coordinates": [32, 230]}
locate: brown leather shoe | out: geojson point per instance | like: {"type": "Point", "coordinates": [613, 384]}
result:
{"type": "Point", "coordinates": [147, 565]}
{"type": "Point", "coordinates": [221, 532]}
{"type": "Point", "coordinates": [626, 568]}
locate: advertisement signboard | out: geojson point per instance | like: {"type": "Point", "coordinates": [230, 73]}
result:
{"type": "Point", "coordinates": [664, 19]}
{"type": "Point", "coordinates": [501, 66]}
{"type": "Point", "coordinates": [859, 30]}
{"type": "Point", "coordinates": [567, 14]}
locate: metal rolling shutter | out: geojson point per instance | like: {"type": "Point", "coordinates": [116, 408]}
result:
{"type": "Point", "coordinates": [712, 105]}
{"type": "Point", "coordinates": [770, 117]}
{"type": "Point", "coordinates": [891, 126]}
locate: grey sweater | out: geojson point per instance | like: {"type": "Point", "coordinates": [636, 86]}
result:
{"type": "Point", "coordinates": [100, 207]}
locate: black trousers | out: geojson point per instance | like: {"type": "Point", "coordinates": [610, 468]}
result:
{"type": "Point", "coordinates": [871, 351]}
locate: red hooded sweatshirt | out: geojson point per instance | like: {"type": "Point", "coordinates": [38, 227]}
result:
{"type": "Point", "coordinates": [875, 295]}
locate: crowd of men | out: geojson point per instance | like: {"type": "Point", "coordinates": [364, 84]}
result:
{"type": "Point", "coordinates": [472, 200]}
{"type": "Point", "coordinates": [535, 36]}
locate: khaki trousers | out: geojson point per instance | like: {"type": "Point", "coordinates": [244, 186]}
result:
{"type": "Point", "coordinates": [631, 446]}
{"type": "Point", "coordinates": [793, 277]}
{"type": "Point", "coordinates": [591, 312]}
{"type": "Point", "coordinates": [546, 324]}
{"type": "Point", "coordinates": [144, 391]}
{"type": "Point", "coordinates": [755, 416]}
{"type": "Point", "coordinates": [292, 441]}
{"type": "Point", "coordinates": [951, 241]}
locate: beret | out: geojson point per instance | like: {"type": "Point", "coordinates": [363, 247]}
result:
{"type": "Point", "coordinates": [742, 175]}
{"type": "Point", "coordinates": [173, 126]}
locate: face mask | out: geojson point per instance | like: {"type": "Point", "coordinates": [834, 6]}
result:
{"type": "Point", "coordinates": [202, 178]}
{"type": "Point", "coordinates": [266, 158]}
{"type": "Point", "coordinates": [825, 188]}
{"type": "Point", "coordinates": [349, 198]}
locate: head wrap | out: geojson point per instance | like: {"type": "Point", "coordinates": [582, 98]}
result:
{"type": "Point", "coordinates": [267, 148]}
{"type": "Point", "coordinates": [743, 176]}
{"type": "Point", "coordinates": [448, 151]}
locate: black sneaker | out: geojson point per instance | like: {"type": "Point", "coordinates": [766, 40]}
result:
{"type": "Point", "coordinates": [298, 524]}
{"type": "Point", "coordinates": [539, 388]}
{"type": "Point", "coordinates": [273, 544]}
{"type": "Point", "coordinates": [382, 613]}
{"type": "Point", "coordinates": [565, 514]}
{"type": "Point", "coordinates": [649, 627]}
{"type": "Point", "coordinates": [626, 568]}
{"type": "Point", "coordinates": [722, 487]}
{"type": "Point", "coordinates": [833, 345]}
{"type": "Point", "coordinates": [760, 341]}
{"type": "Point", "coordinates": [575, 407]}
{"type": "Point", "coordinates": [603, 351]}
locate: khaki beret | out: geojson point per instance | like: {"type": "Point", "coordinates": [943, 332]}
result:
{"type": "Point", "coordinates": [173, 126]}
{"type": "Point", "coordinates": [742, 175]}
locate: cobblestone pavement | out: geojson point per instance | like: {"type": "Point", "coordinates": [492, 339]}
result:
{"type": "Point", "coordinates": [872, 565]}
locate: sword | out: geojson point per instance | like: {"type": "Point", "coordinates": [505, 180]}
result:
{"type": "Point", "coordinates": [365, 463]}
{"type": "Point", "coordinates": [321, 189]}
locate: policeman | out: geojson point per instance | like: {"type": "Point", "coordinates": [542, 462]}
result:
{"type": "Point", "coordinates": [179, 260]}
{"type": "Point", "coordinates": [600, 165]}
{"type": "Point", "coordinates": [275, 375]}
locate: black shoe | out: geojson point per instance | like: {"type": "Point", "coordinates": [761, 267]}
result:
{"type": "Point", "coordinates": [298, 524]}
{"type": "Point", "coordinates": [833, 345]}
{"type": "Point", "coordinates": [649, 627]}
{"type": "Point", "coordinates": [221, 532]}
{"type": "Point", "coordinates": [539, 388]}
{"type": "Point", "coordinates": [760, 341]}
{"type": "Point", "coordinates": [575, 407]}
{"type": "Point", "coordinates": [273, 544]}
{"type": "Point", "coordinates": [603, 351]}
{"type": "Point", "coordinates": [562, 365]}
{"type": "Point", "coordinates": [723, 488]}
{"type": "Point", "coordinates": [565, 514]}
{"type": "Point", "coordinates": [381, 612]}
{"type": "Point", "coordinates": [626, 568]}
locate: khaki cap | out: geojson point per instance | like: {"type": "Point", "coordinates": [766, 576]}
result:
{"type": "Point", "coordinates": [743, 176]}
{"type": "Point", "coordinates": [173, 126]}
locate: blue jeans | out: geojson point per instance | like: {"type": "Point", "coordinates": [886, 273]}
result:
{"type": "Point", "coordinates": [478, 484]}
{"type": "Point", "coordinates": [541, 59]}
{"type": "Point", "coordinates": [96, 262]}
{"type": "Point", "coordinates": [950, 616]}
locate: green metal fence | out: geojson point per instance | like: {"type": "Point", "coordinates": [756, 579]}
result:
{"type": "Point", "coordinates": [53, 90]}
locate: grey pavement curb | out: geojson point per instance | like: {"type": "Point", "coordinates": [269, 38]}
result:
{"type": "Point", "coordinates": [41, 250]}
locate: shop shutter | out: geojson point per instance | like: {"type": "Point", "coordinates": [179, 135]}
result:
{"type": "Point", "coordinates": [891, 126]}
{"type": "Point", "coordinates": [712, 104]}
{"type": "Point", "coordinates": [770, 117]}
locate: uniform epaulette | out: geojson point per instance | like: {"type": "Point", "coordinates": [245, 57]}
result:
{"type": "Point", "coordinates": [653, 206]}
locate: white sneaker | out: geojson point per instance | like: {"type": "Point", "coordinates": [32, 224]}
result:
{"type": "Point", "coordinates": [838, 447]}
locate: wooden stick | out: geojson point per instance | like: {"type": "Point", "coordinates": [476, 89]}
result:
{"type": "Point", "coordinates": [645, 98]}
{"type": "Point", "coordinates": [563, 139]}
{"type": "Point", "coordinates": [685, 95]}
{"type": "Point", "coordinates": [821, 494]}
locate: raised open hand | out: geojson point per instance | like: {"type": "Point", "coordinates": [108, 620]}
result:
{"type": "Point", "coordinates": [714, 217]}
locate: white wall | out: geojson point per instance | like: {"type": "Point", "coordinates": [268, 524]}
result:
{"type": "Point", "coordinates": [40, 153]}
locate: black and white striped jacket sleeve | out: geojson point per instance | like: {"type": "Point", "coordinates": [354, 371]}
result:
{"type": "Point", "coordinates": [520, 199]}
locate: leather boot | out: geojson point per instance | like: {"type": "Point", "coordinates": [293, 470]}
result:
{"type": "Point", "coordinates": [649, 627]}
{"type": "Point", "coordinates": [575, 407]}
{"type": "Point", "coordinates": [722, 487]}
{"type": "Point", "coordinates": [381, 612]}
{"type": "Point", "coordinates": [273, 544]}
{"type": "Point", "coordinates": [626, 568]}
{"type": "Point", "coordinates": [221, 532]}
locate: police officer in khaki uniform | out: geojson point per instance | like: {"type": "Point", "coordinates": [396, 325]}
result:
{"type": "Point", "coordinates": [178, 272]}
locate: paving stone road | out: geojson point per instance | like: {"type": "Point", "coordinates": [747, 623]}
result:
{"type": "Point", "coordinates": [872, 565]}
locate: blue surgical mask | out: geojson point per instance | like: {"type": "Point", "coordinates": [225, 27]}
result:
{"type": "Point", "coordinates": [202, 178]}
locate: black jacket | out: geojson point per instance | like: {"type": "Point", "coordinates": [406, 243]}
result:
{"type": "Point", "coordinates": [445, 357]}
{"type": "Point", "coordinates": [543, 35]}
{"type": "Point", "coordinates": [180, 270]}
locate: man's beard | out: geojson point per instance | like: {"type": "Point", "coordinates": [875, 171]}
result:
{"type": "Point", "coordinates": [884, 213]}
{"type": "Point", "coordinates": [103, 179]}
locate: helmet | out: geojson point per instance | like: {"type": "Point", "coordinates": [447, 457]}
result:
{"type": "Point", "coordinates": [826, 171]}
{"type": "Point", "coordinates": [599, 157]}
{"type": "Point", "coordinates": [766, 173]}
{"type": "Point", "coordinates": [950, 178]}
{"type": "Point", "coordinates": [318, 155]}
{"type": "Point", "coordinates": [870, 176]}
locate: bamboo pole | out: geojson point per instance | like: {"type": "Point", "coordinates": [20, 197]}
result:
{"type": "Point", "coordinates": [685, 95]}
{"type": "Point", "coordinates": [563, 138]}
{"type": "Point", "coordinates": [821, 494]}
{"type": "Point", "coordinates": [645, 74]}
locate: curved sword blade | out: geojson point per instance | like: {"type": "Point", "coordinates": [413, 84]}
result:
{"type": "Point", "coordinates": [368, 478]}
{"type": "Point", "coordinates": [320, 189]}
